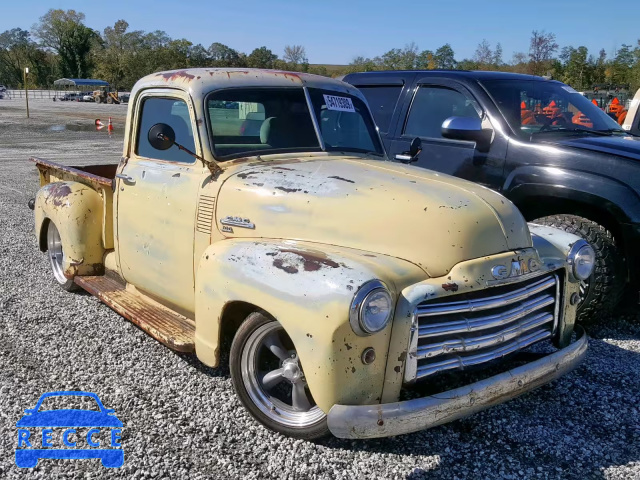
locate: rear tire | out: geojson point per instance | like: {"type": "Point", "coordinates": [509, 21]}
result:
{"type": "Point", "coordinates": [56, 256]}
{"type": "Point", "coordinates": [602, 291]}
{"type": "Point", "coordinates": [268, 379]}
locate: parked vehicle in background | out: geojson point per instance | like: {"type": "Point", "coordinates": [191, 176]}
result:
{"type": "Point", "coordinates": [559, 158]}
{"type": "Point", "coordinates": [87, 98]}
{"type": "Point", "coordinates": [343, 278]}
{"type": "Point", "coordinates": [632, 121]}
{"type": "Point", "coordinates": [105, 95]}
{"type": "Point", "coordinates": [71, 97]}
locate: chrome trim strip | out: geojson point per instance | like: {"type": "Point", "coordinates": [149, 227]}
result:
{"type": "Point", "coordinates": [398, 418]}
{"type": "Point", "coordinates": [454, 345]}
{"type": "Point", "coordinates": [461, 362]}
{"type": "Point", "coordinates": [237, 222]}
{"type": "Point", "coordinates": [488, 321]}
{"type": "Point", "coordinates": [488, 302]}
{"type": "Point", "coordinates": [556, 310]}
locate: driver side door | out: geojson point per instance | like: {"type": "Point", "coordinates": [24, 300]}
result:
{"type": "Point", "coordinates": [157, 194]}
{"type": "Point", "coordinates": [432, 102]}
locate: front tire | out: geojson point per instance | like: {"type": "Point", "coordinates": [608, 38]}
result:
{"type": "Point", "coordinates": [268, 378]}
{"type": "Point", "coordinates": [56, 256]}
{"type": "Point", "coordinates": [602, 291]}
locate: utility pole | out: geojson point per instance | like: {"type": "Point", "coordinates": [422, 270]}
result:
{"type": "Point", "coordinates": [26, 88]}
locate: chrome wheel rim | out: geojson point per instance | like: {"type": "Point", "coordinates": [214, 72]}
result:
{"type": "Point", "coordinates": [56, 255]}
{"type": "Point", "coordinates": [274, 379]}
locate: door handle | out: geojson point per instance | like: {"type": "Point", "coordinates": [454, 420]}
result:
{"type": "Point", "coordinates": [403, 157]}
{"type": "Point", "coordinates": [126, 178]}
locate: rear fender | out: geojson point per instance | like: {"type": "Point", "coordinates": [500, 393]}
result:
{"type": "Point", "coordinates": [308, 289]}
{"type": "Point", "coordinates": [76, 211]}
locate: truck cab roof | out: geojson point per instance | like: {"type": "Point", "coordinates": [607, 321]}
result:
{"type": "Point", "coordinates": [200, 81]}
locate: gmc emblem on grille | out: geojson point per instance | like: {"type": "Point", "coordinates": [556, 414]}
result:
{"type": "Point", "coordinates": [518, 267]}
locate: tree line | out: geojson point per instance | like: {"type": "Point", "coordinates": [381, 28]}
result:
{"type": "Point", "coordinates": [571, 65]}
{"type": "Point", "coordinates": [61, 45]}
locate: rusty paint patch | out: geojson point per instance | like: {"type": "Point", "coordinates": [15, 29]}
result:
{"type": "Point", "coordinates": [288, 190]}
{"type": "Point", "coordinates": [342, 179]}
{"type": "Point", "coordinates": [245, 175]}
{"type": "Point", "coordinates": [450, 287]}
{"type": "Point", "coordinates": [279, 263]}
{"type": "Point", "coordinates": [176, 75]}
{"type": "Point", "coordinates": [313, 262]}
{"type": "Point", "coordinates": [283, 168]}
{"type": "Point", "coordinates": [58, 194]}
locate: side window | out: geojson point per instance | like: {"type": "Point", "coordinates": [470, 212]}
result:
{"type": "Point", "coordinates": [382, 100]}
{"type": "Point", "coordinates": [174, 113]}
{"type": "Point", "coordinates": [432, 106]}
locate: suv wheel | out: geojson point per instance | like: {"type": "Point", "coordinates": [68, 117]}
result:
{"type": "Point", "coordinates": [601, 292]}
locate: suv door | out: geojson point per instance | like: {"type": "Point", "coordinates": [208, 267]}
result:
{"type": "Point", "coordinates": [431, 102]}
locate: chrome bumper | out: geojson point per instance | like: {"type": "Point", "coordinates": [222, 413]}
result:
{"type": "Point", "coordinates": [371, 421]}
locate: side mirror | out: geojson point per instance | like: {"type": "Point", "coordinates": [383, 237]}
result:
{"type": "Point", "coordinates": [467, 128]}
{"type": "Point", "coordinates": [414, 150]}
{"type": "Point", "coordinates": [161, 136]}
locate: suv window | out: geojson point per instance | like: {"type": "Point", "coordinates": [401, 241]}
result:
{"type": "Point", "coordinates": [382, 100]}
{"type": "Point", "coordinates": [174, 113]}
{"type": "Point", "coordinates": [431, 106]}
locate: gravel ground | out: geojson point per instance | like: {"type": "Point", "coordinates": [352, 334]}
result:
{"type": "Point", "coordinates": [182, 419]}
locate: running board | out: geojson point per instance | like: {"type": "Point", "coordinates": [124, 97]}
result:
{"type": "Point", "coordinates": [169, 328]}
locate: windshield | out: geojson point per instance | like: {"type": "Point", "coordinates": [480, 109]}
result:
{"type": "Point", "coordinates": [253, 121]}
{"type": "Point", "coordinates": [534, 106]}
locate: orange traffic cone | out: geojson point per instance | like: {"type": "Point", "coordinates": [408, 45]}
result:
{"type": "Point", "coordinates": [110, 125]}
{"type": "Point", "coordinates": [99, 123]}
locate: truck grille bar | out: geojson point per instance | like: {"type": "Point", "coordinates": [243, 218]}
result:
{"type": "Point", "coordinates": [464, 333]}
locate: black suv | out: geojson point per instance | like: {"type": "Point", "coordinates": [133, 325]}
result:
{"type": "Point", "coordinates": [558, 157]}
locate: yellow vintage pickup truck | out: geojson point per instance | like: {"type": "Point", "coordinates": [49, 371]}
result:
{"type": "Point", "coordinates": [260, 206]}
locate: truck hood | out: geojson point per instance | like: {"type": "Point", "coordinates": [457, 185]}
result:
{"type": "Point", "coordinates": [430, 219]}
{"type": "Point", "coordinates": [626, 146]}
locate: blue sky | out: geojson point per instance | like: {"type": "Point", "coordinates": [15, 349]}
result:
{"type": "Point", "coordinates": [334, 31]}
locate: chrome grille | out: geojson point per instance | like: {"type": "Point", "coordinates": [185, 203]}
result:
{"type": "Point", "coordinates": [466, 332]}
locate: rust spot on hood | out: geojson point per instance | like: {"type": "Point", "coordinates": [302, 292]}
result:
{"type": "Point", "coordinates": [309, 262]}
{"type": "Point", "coordinates": [342, 179]}
{"type": "Point", "coordinates": [176, 75]}
{"type": "Point", "coordinates": [288, 190]}
{"type": "Point", "coordinates": [450, 287]}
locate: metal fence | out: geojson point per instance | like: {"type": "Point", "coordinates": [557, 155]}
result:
{"type": "Point", "coordinates": [36, 93]}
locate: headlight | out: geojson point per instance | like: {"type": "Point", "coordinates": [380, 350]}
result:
{"type": "Point", "coordinates": [582, 259]}
{"type": "Point", "coordinates": [371, 308]}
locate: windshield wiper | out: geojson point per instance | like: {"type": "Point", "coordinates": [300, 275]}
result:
{"type": "Point", "coordinates": [618, 130]}
{"type": "Point", "coordinates": [604, 133]}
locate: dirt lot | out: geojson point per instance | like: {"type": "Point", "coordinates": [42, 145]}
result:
{"type": "Point", "coordinates": [183, 420]}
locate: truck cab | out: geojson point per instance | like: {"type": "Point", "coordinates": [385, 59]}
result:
{"type": "Point", "coordinates": [342, 279]}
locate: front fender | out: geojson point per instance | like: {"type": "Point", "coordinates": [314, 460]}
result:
{"type": "Point", "coordinates": [308, 289]}
{"type": "Point", "coordinates": [76, 211]}
{"type": "Point", "coordinates": [599, 191]}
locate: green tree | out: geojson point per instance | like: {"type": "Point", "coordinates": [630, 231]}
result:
{"type": "Point", "coordinates": [445, 58]}
{"type": "Point", "coordinates": [221, 55]}
{"type": "Point", "coordinates": [577, 71]}
{"type": "Point", "coordinates": [18, 51]}
{"type": "Point", "coordinates": [426, 60]}
{"type": "Point", "coordinates": [261, 57]}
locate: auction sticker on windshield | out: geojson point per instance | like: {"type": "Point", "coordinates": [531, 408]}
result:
{"type": "Point", "coordinates": [342, 104]}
